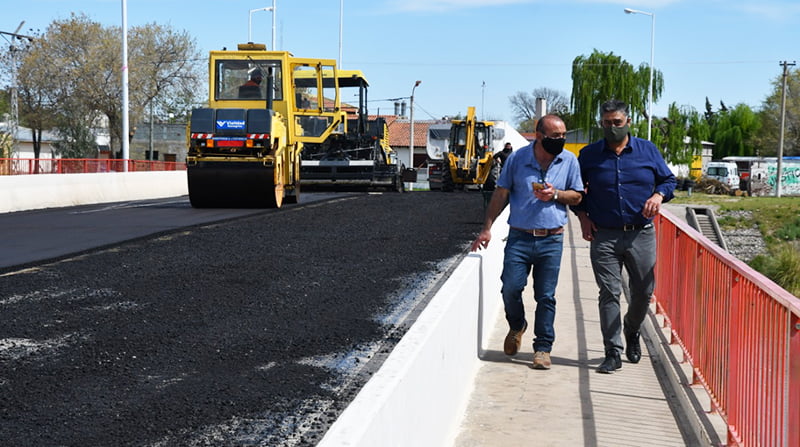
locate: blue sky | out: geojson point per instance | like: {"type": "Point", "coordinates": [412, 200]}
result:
{"type": "Point", "coordinates": [726, 50]}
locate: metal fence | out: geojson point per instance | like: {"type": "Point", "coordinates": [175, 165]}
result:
{"type": "Point", "coordinates": [25, 166]}
{"type": "Point", "coordinates": [739, 331]}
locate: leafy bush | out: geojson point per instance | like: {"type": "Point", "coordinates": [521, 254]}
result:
{"type": "Point", "coordinates": [782, 265]}
{"type": "Point", "coordinates": [790, 231]}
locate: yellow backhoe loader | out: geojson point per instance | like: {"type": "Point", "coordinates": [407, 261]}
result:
{"type": "Point", "coordinates": [469, 159]}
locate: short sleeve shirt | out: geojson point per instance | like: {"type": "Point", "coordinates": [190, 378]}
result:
{"type": "Point", "coordinates": [519, 173]}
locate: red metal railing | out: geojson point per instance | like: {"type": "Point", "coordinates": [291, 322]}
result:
{"type": "Point", "coordinates": [739, 331]}
{"type": "Point", "coordinates": [24, 166]}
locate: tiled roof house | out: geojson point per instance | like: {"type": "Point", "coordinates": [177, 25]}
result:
{"type": "Point", "coordinates": [400, 135]}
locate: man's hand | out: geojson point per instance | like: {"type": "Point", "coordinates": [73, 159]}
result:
{"type": "Point", "coordinates": [588, 227]}
{"type": "Point", "coordinates": [652, 206]}
{"type": "Point", "coordinates": [546, 194]}
{"type": "Point", "coordinates": [482, 241]}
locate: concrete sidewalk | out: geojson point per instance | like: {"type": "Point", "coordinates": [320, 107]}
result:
{"type": "Point", "coordinates": [571, 404]}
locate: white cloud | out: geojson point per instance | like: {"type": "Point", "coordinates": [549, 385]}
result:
{"type": "Point", "coordinates": [448, 5]}
{"type": "Point", "coordinates": [772, 11]}
{"type": "Point", "coordinates": [452, 5]}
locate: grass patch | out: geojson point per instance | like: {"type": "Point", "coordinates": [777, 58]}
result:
{"type": "Point", "coordinates": [778, 220]}
{"type": "Point", "coordinates": [776, 217]}
{"type": "Point", "coordinates": [781, 265]}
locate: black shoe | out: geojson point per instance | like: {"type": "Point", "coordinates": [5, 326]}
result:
{"type": "Point", "coordinates": [611, 363]}
{"type": "Point", "coordinates": [633, 351]}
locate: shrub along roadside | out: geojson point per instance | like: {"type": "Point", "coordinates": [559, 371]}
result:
{"type": "Point", "coordinates": [781, 265]}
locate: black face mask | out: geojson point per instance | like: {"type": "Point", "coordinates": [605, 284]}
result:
{"type": "Point", "coordinates": [615, 135]}
{"type": "Point", "coordinates": [553, 146]}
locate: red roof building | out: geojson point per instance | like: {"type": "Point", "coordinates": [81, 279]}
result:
{"type": "Point", "coordinates": [400, 136]}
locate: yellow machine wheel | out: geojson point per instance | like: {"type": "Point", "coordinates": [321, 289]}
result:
{"type": "Point", "coordinates": [292, 195]}
{"type": "Point", "coordinates": [278, 189]}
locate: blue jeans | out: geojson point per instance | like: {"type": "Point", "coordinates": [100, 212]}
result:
{"type": "Point", "coordinates": [524, 252]}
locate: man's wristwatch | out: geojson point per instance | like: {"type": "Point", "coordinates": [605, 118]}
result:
{"type": "Point", "coordinates": [661, 194]}
{"type": "Point", "coordinates": [555, 196]}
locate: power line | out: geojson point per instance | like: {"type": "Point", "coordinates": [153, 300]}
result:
{"type": "Point", "coordinates": [557, 64]}
{"type": "Point", "coordinates": [423, 109]}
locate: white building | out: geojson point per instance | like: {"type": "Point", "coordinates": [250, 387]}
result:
{"type": "Point", "coordinates": [24, 140]}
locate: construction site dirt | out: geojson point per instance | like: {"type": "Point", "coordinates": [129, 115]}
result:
{"type": "Point", "coordinates": [254, 331]}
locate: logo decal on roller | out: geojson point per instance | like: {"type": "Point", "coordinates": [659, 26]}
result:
{"type": "Point", "coordinates": [230, 124]}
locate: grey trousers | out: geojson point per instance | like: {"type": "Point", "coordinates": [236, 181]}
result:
{"type": "Point", "coordinates": [610, 251]}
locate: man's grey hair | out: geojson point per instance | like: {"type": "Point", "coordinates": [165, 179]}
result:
{"type": "Point", "coordinates": [614, 105]}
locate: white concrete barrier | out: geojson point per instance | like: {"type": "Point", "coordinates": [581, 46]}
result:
{"type": "Point", "coordinates": [419, 395]}
{"type": "Point", "coordinates": [28, 192]}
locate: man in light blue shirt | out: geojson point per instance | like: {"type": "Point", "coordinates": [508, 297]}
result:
{"type": "Point", "coordinates": [538, 181]}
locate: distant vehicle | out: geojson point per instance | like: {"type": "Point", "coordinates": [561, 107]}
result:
{"type": "Point", "coordinates": [467, 157]}
{"type": "Point", "coordinates": [244, 148]}
{"type": "Point", "coordinates": [759, 175]}
{"type": "Point", "coordinates": [726, 172]}
{"type": "Point", "coordinates": [359, 156]}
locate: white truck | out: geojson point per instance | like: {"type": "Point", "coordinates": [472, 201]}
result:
{"type": "Point", "coordinates": [725, 172]}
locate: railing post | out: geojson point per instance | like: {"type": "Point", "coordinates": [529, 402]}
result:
{"type": "Point", "coordinates": [792, 400]}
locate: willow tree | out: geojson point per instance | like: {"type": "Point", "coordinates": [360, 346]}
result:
{"type": "Point", "coordinates": [734, 131]}
{"type": "Point", "coordinates": [602, 76]}
{"type": "Point", "coordinates": [683, 135]}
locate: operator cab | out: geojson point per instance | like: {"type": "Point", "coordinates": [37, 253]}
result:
{"type": "Point", "coordinates": [238, 79]}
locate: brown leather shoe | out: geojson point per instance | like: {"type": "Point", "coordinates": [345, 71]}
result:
{"type": "Point", "coordinates": [541, 360]}
{"type": "Point", "coordinates": [514, 340]}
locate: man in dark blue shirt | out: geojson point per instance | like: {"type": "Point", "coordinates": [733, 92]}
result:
{"type": "Point", "coordinates": [626, 180]}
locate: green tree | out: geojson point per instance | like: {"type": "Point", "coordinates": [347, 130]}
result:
{"type": "Point", "coordinates": [70, 78]}
{"type": "Point", "coordinates": [81, 78]}
{"type": "Point", "coordinates": [734, 130]}
{"type": "Point", "coordinates": [602, 76]}
{"type": "Point", "coordinates": [683, 135]}
{"type": "Point", "coordinates": [35, 105]}
{"type": "Point", "coordinates": [5, 109]}
{"type": "Point", "coordinates": [165, 73]}
{"type": "Point", "coordinates": [767, 138]}
{"type": "Point", "coordinates": [5, 102]}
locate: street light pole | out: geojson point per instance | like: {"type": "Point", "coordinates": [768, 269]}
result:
{"type": "Point", "coordinates": [652, 69]}
{"type": "Point", "coordinates": [250, 23]}
{"type": "Point", "coordinates": [411, 130]}
{"type": "Point", "coordinates": [274, 11]}
{"type": "Point", "coordinates": [125, 105]}
{"type": "Point", "coordinates": [483, 97]}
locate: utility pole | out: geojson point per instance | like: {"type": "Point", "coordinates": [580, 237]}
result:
{"type": "Point", "coordinates": [786, 66]}
{"type": "Point", "coordinates": [14, 124]}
